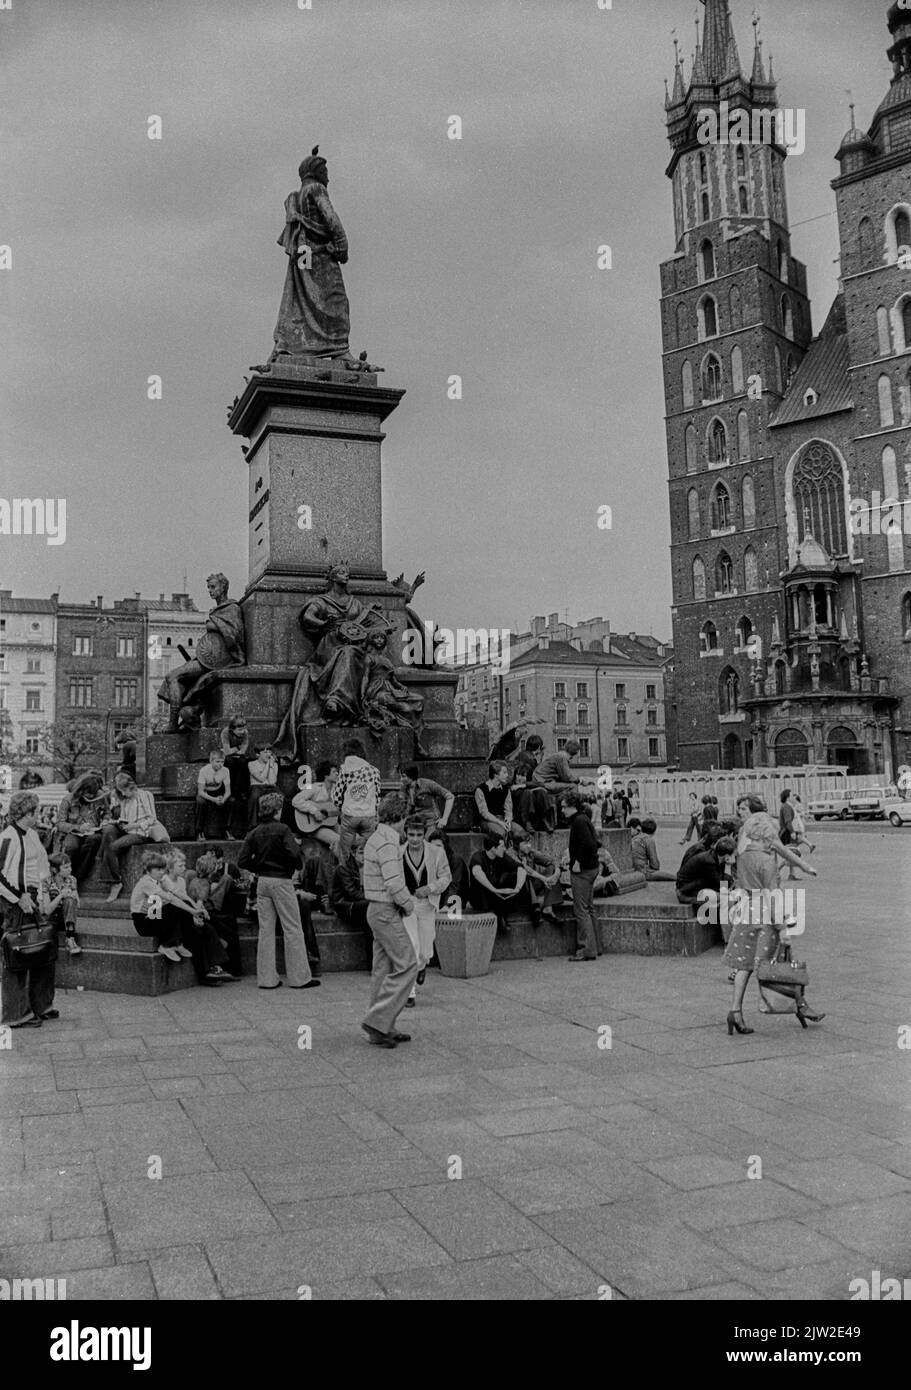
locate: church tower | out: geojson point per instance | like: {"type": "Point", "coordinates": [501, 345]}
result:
{"type": "Point", "coordinates": [873, 196]}
{"type": "Point", "coordinates": [735, 322]}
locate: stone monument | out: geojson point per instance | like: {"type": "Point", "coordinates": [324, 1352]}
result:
{"type": "Point", "coordinates": [319, 654]}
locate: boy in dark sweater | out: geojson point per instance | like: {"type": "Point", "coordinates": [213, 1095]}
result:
{"type": "Point", "coordinates": [583, 864]}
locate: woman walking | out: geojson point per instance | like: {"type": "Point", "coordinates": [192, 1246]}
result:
{"type": "Point", "coordinates": [756, 938]}
{"type": "Point", "coordinates": [426, 873]}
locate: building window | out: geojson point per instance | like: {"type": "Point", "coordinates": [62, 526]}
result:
{"type": "Point", "coordinates": [692, 462]}
{"type": "Point", "coordinates": [651, 692]}
{"type": "Point", "coordinates": [724, 574]}
{"type": "Point", "coordinates": [737, 371]}
{"type": "Point", "coordinates": [721, 508]}
{"type": "Point", "coordinates": [126, 646]}
{"type": "Point", "coordinates": [906, 617]}
{"type": "Point", "coordinates": [125, 693]}
{"type": "Point", "coordinates": [623, 749]}
{"type": "Point", "coordinates": [708, 261]}
{"type": "Point", "coordinates": [736, 303]}
{"type": "Point", "coordinates": [898, 232]}
{"type": "Point", "coordinates": [703, 169]}
{"type": "Point", "coordinates": [743, 435]}
{"type": "Point", "coordinates": [706, 209]}
{"type": "Point", "coordinates": [82, 646]}
{"type": "Point", "coordinates": [708, 318]}
{"type": "Point", "coordinates": [883, 331]}
{"type": "Point", "coordinates": [560, 716]}
{"type": "Point", "coordinates": [687, 385]}
{"type": "Point", "coordinates": [584, 749]}
{"type": "Point", "coordinates": [651, 717]}
{"type": "Point", "coordinates": [741, 163]}
{"type": "Point", "coordinates": [82, 691]}
{"type": "Point", "coordinates": [582, 715]}
{"type": "Point", "coordinates": [886, 407]}
{"type": "Point", "coordinates": [559, 690]}
{"type": "Point", "coordinates": [708, 638]}
{"type": "Point", "coordinates": [787, 318]}
{"type": "Point", "coordinates": [692, 513]}
{"type": "Point", "coordinates": [32, 744]}
{"type": "Point", "coordinates": [621, 714]}
{"type": "Point", "coordinates": [581, 690]}
{"type": "Point", "coordinates": [2, 661]}
{"type": "Point", "coordinates": [653, 748]}
{"type": "Point", "coordinates": [744, 199]}
{"type": "Point", "coordinates": [522, 693]}
{"type": "Point", "coordinates": [698, 579]}
{"type": "Point", "coordinates": [718, 443]}
{"type": "Point", "coordinates": [748, 502]}
{"type": "Point", "coordinates": [817, 488]}
{"type": "Point", "coordinates": [33, 665]}
{"type": "Point", "coordinates": [561, 745]}
{"type": "Point", "coordinates": [711, 379]}
{"type": "Point", "coordinates": [33, 702]}
{"type": "Point", "coordinates": [619, 692]}
{"type": "Point", "coordinates": [743, 633]}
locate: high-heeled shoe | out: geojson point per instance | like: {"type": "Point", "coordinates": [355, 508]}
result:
{"type": "Point", "coordinates": [804, 1015]}
{"type": "Point", "coordinates": [740, 1027]}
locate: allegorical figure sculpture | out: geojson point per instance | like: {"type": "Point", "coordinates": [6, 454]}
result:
{"type": "Point", "coordinates": [314, 319]}
{"type": "Point", "coordinates": [222, 644]}
{"type": "Point", "coordinates": [345, 680]}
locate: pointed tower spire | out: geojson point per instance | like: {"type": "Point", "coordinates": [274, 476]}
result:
{"type": "Point", "coordinates": [758, 68]}
{"type": "Point", "coordinates": [719, 47]}
{"type": "Point", "coordinates": [679, 93]}
{"type": "Point", "coordinates": [698, 77]}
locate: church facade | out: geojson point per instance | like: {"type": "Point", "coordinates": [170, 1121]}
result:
{"type": "Point", "coordinates": [789, 454]}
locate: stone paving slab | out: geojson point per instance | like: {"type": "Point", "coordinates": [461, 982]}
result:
{"type": "Point", "coordinates": [335, 1166]}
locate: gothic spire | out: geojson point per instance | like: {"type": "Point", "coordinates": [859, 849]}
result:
{"type": "Point", "coordinates": [719, 47]}
{"type": "Point", "coordinates": [679, 93]}
{"type": "Point", "coordinates": [758, 66]}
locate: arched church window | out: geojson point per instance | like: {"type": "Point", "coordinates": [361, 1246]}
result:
{"type": "Point", "coordinates": [817, 487]}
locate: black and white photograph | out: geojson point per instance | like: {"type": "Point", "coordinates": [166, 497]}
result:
{"type": "Point", "coordinates": [456, 527]}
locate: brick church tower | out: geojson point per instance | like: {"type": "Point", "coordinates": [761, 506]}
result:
{"type": "Point", "coordinates": [783, 638]}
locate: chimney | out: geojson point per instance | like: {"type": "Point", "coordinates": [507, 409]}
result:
{"type": "Point", "coordinates": [537, 626]}
{"type": "Point", "coordinates": [161, 598]}
{"type": "Point", "coordinates": [137, 594]}
{"type": "Point", "coordinates": [553, 619]}
{"type": "Point", "coordinates": [100, 601]}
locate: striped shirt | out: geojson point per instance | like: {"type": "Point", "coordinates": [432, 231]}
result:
{"type": "Point", "coordinates": [384, 881]}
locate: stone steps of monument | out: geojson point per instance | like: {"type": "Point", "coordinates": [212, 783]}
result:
{"type": "Point", "coordinates": [115, 959]}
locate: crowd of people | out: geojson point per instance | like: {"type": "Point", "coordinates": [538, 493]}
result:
{"type": "Point", "coordinates": [391, 867]}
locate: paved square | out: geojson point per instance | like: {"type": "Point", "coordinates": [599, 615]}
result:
{"type": "Point", "coordinates": [501, 1154]}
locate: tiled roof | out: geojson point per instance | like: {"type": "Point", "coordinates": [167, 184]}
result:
{"type": "Point", "coordinates": [824, 370]}
{"type": "Point", "coordinates": [27, 605]}
{"type": "Point", "coordinates": [562, 654]}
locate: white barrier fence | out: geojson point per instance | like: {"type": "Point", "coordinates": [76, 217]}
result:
{"type": "Point", "coordinates": [668, 794]}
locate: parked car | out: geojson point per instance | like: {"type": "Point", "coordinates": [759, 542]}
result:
{"type": "Point", "coordinates": [899, 812]}
{"type": "Point", "coordinates": [872, 803]}
{"type": "Point", "coordinates": [831, 802]}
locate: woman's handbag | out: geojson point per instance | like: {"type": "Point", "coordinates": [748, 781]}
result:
{"type": "Point", "coordinates": [781, 972]}
{"type": "Point", "coordinates": [27, 941]}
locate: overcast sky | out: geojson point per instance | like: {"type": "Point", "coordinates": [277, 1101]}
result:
{"type": "Point", "coordinates": [477, 257]}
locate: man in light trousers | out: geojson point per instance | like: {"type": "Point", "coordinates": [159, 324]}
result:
{"type": "Point", "coordinates": [395, 962]}
{"type": "Point", "coordinates": [272, 853]}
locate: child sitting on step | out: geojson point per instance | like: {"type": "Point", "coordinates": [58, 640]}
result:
{"type": "Point", "coordinates": [64, 899]}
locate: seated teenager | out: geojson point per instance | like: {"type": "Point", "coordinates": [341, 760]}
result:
{"type": "Point", "coordinates": [532, 805]}
{"type": "Point", "coordinates": [542, 876]}
{"type": "Point", "coordinates": [499, 882]}
{"type": "Point", "coordinates": [134, 821]}
{"type": "Point", "coordinates": [63, 907]}
{"type": "Point", "coordinates": [209, 955]}
{"type": "Point", "coordinates": [493, 801]}
{"type": "Point", "coordinates": [645, 852]}
{"type": "Point", "coordinates": [425, 797]}
{"type": "Point", "coordinates": [701, 873]}
{"type": "Point", "coordinates": [457, 894]}
{"type": "Point", "coordinates": [212, 885]}
{"type": "Point", "coordinates": [213, 795]}
{"type": "Point", "coordinates": [607, 884]}
{"type": "Point", "coordinates": [306, 899]}
{"type": "Point", "coordinates": [263, 771]}
{"type": "Point", "coordinates": [155, 912]}
{"type": "Point", "coordinates": [315, 811]}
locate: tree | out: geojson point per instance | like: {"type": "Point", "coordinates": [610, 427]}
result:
{"type": "Point", "coordinates": [70, 746]}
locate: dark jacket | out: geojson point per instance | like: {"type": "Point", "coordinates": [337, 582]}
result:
{"type": "Point", "coordinates": [346, 890]}
{"type": "Point", "coordinates": [583, 842]}
{"type": "Point", "coordinates": [270, 851]}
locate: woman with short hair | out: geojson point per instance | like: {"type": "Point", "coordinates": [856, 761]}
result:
{"type": "Point", "coordinates": [26, 993]}
{"type": "Point", "coordinates": [134, 822]}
